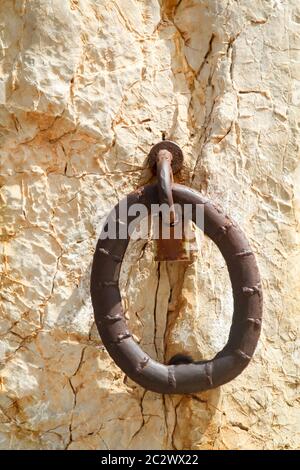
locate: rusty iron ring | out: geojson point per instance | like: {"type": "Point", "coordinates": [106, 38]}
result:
{"type": "Point", "coordinates": [246, 322]}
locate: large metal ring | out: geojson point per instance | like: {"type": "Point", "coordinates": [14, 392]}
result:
{"type": "Point", "coordinates": [247, 294]}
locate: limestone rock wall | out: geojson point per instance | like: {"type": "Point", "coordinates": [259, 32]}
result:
{"type": "Point", "coordinates": [86, 88]}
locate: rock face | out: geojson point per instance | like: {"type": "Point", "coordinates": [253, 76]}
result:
{"type": "Point", "coordinates": [86, 88]}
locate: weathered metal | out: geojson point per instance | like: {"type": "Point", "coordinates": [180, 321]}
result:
{"type": "Point", "coordinates": [182, 374]}
{"type": "Point", "coordinates": [171, 248]}
{"type": "Point", "coordinates": [165, 181]}
{"type": "Point", "coordinates": [175, 151]}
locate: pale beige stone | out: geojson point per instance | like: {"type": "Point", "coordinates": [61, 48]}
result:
{"type": "Point", "coordinates": [86, 88]}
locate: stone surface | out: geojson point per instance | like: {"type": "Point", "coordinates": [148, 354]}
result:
{"type": "Point", "coordinates": [86, 88]}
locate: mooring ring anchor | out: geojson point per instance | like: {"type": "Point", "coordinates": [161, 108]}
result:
{"type": "Point", "coordinates": [165, 181]}
{"type": "Point", "coordinates": [175, 151]}
{"type": "Point", "coordinates": [166, 158]}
